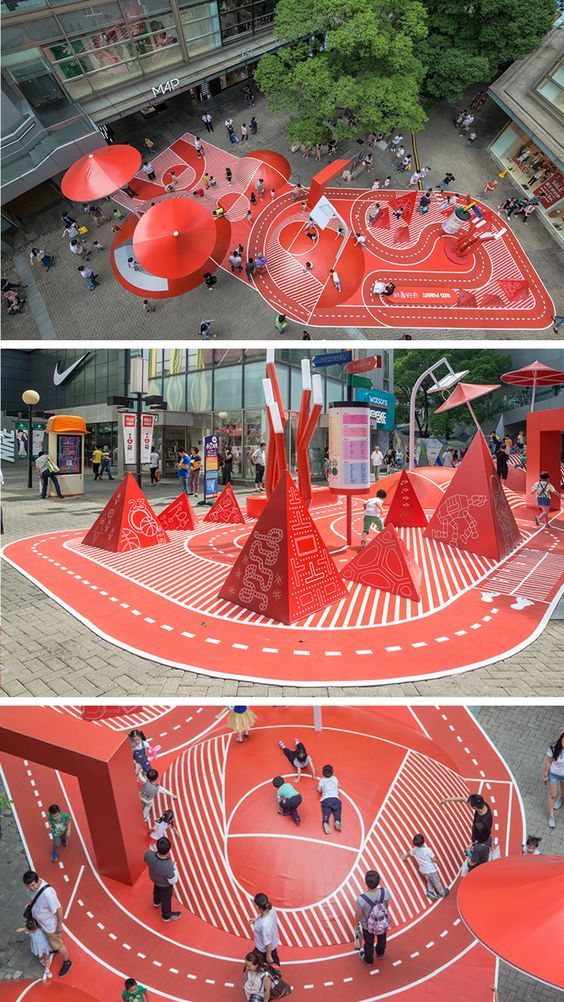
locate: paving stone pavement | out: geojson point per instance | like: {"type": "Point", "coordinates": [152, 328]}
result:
{"type": "Point", "coordinates": [521, 734]}
{"type": "Point", "coordinates": [48, 653]}
{"type": "Point", "coordinates": [58, 298]}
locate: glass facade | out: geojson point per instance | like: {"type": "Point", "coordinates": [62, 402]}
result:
{"type": "Point", "coordinates": [90, 49]}
{"type": "Point", "coordinates": [533, 173]}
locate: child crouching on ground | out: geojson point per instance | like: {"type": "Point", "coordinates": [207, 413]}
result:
{"type": "Point", "coordinates": [425, 859]}
{"type": "Point", "coordinates": [331, 804]}
{"type": "Point", "coordinates": [373, 514]}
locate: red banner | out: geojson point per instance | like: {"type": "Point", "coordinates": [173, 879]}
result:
{"type": "Point", "coordinates": [365, 364]}
{"type": "Point", "coordinates": [551, 190]}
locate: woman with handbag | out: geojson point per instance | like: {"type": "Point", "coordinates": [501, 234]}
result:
{"type": "Point", "coordinates": [257, 982]}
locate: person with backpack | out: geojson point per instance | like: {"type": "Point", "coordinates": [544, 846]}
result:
{"type": "Point", "coordinates": [257, 983]}
{"type": "Point", "coordinates": [372, 917]}
{"type": "Point", "coordinates": [543, 490]}
{"type": "Point", "coordinates": [479, 851]}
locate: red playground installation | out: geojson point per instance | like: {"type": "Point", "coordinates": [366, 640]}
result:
{"type": "Point", "coordinates": [229, 843]}
{"type": "Point", "coordinates": [455, 266]}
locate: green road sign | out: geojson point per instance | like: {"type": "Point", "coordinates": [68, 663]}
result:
{"type": "Point", "coordinates": [359, 381]}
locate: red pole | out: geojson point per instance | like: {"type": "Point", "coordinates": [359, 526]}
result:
{"type": "Point", "coordinates": [349, 519]}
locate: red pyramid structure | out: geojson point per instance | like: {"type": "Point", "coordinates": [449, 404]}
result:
{"type": "Point", "coordinates": [407, 202]}
{"type": "Point", "coordinates": [127, 522]}
{"type": "Point", "coordinates": [474, 514]}
{"type": "Point", "coordinates": [515, 289]}
{"type": "Point", "coordinates": [285, 570]}
{"type": "Point", "coordinates": [225, 508]}
{"type": "Point", "coordinates": [405, 509]}
{"type": "Point", "coordinates": [386, 563]}
{"type": "Point", "coordinates": [179, 514]}
{"type": "Point", "coordinates": [382, 220]}
{"type": "Point", "coordinates": [465, 298]}
{"type": "Point", "coordinates": [401, 235]}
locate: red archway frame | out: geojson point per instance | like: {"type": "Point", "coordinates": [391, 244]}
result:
{"type": "Point", "coordinates": [103, 771]}
{"type": "Point", "coordinates": [544, 435]}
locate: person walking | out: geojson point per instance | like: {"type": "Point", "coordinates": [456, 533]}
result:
{"type": "Point", "coordinates": [199, 148]}
{"type": "Point", "coordinates": [184, 470]}
{"type": "Point", "coordinates": [249, 96]}
{"type": "Point", "coordinates": [373, 514]}
{"type": "Point", "coordinates": [288, 799]}
{"type": "Point", "coordinates": [148, 143]}
{"type": "Point", "coordinates": [96, 461]}
{"type": "Point", "coordinates": [134, 992]}
{"type": "Point", "coordinates": [47, 472]}
{"type": "Point", "coordinates": [250, 269]}
{"type": "Point", "coordinates": [260, 263]}
{"type": "Point", "coordinates": [376, 459]}
{"type": "Point", "coordinates": [228, 175]}
{"type": "Point", "coordinates": [45, 908]}
{"type": "Point", "coordinates": [162, 873]}
{"type": "Point", "coordinates": [258, 459]}
{"type": "Point", "coordinates": [257, 983]}
{"type": "Point", "coordinates": [195, 470]}
{"type": "Point", "coordinates": [336, 279]}
{"type": "Point", "coordinates": [527, 211]}
{"type": "Point", "coordinates": [149, 790]}
{"type": "Point", "coordinates": [229, 126]}
{"type": "Point", "coordinates": [210, 280]}
{"type": "Point", "coordinates": [489, 186]}
{"type": "Point", "coordinates": [265, 930]}
{"type": "Point", "coordinates": [502, 464]}
{"type": "Point", "coordinates": [149, 170]}
{"type": "Point", "coordinates": [227, 464]}
{"type": "Point", "coordinates": [154, 467]}
{"type": "Point", "coordinates": [236, 261]}
{"type": "Point", "coordinates": [39, 945]}
{"type": "Point", "coordinates": [38, 254]}
{"type": "Point", "coordinates": [372, 917]}
{"type": "Point", "coordinates": [446, 181]}
{"type": "Point", "coordinates": [244, 133]}
{"type": "Point", "coordinates": [91, 279]}
{"type": "Point", "coordinates": [260, 188]}
{"type": "Point", "coordinates": [208, 121]}
{"type": "Point", "coordinates": [148, 306]}
{"type": "Point", "coordinates": [60, 825]}
{"type": "Point", "coordinates": [281, 323]}
{"type": "Point", "coordinates": [554, 778]}
{"type": "Point", "coordinates": [106, 463]}
{"type": "Point", "coordinates": [543, 490]}
{"type": "Point", "coordinates": [241, 720]}
{"type": "Point", "coordinates": [254, 126]}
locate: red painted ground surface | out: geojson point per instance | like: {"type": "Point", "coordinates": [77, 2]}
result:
{"type": "Point", "coordinates": [495, 287]}
{"type": "Point", "coordinates": [163, 603]}
{"type": "Point", "coordinates": [393, 766]}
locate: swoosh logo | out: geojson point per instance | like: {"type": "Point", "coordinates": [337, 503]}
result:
{"type": "Point", "coordinates": [61, 377]}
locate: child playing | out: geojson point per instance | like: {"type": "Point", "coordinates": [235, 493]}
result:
{"type": "Point", "coordinates": [163, 826]}
{"type": "Point", "coordinates": [240, 720]}
{"type": "Point", "coordinates": [134, 992]}
{"type": "Point", "coordinates": [373, 511]}
{"type": "Point", "coordinates": [531, 847]}
{"type": "Point", "coordinates": [299, 758]}
{"type": "Point", "coordinates": [288, 798]}
{"type": "Point", "coordinates": [39, 945]}
{"type": "Point", "coordinates": [331, 804]}
{"type": "Point", "coordinates": [543, 489]}
{"type": "Point", "coordinates": [149, 791]}
{"type": "Point", "coordinates": [140, 752]}
{"type": "Point", "coordinates": [425, 859]}
{"type": "Point", "coordinates": [60, 824]}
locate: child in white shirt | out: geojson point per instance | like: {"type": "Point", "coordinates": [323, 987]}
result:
{"type": "Point", "coordinates": [425, 859]}
{"type": "Point", "coordinates": [373, 514]}
{"type": "Point", "coordinates": [331, 804]}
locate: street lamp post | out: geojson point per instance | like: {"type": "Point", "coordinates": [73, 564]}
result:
{"type": "Point", "coordinates": [445, 383]}
{"type": "Point", "coordinates": [31, 398]}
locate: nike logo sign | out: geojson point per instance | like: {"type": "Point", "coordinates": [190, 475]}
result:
{"type": "Point", "coordinates": [61, 377]}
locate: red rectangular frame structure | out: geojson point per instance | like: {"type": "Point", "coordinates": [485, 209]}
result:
{"type": "Point", "coordinates": [544, 448]}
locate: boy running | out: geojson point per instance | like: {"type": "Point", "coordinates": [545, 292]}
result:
{"type": "Point", "coordinates": [60, 826]}
{"type": "Point", "coordinates": [543, 489]}
{"type": "Point", "coordinates": [373, 512]}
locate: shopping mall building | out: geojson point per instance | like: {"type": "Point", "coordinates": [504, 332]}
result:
{"type": "Point", "coordinates": [206, 391]}
{"type": "Point", "coordinates": [69, 67]}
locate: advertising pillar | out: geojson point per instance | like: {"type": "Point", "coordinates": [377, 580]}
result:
{"type": "Point", "coordinates": [65, 434]}
{"type": "Point", "coordinates": [349, 452]}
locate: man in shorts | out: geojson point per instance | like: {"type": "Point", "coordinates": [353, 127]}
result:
{"type": "Point", "coordinates": [47, 911]}
{"type": "Point", "coordinates": [373, 513]}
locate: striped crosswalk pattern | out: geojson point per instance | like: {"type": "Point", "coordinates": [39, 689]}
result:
{"type": "Point", "coordinates": [532, 574]}
{"type": "Point", "coordinates": [289, 275]}
{"type": "Point", "coordinates": [410, 806]}
{"type": "Point", "coordinates": [191, 580]}
{"type": "Point", "coordinates": [125, 722]}
{"type": "Point", "coordinates": [505, 267]}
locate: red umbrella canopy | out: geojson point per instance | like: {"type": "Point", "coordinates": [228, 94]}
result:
{"type": "Point", "coordinates": [100, 173]}
{"type": "Point", "coordinates": [513, 906]}
{"type": "Point", "coordinates": [174, 238]}
{"type": "Point", "coordinates": [464, 393]}
{"type": "Point", "coordinates": [535, 374]}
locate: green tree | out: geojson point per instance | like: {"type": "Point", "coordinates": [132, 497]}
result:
{"type": "Point", "coordinates": [343, 57]}
{"type": "Point", "coordinates": [472, 40]}
{"type": "Point", "coordinates": [484, 365]}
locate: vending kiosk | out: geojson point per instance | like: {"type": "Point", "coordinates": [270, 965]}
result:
{"type": "Point", "coordinates": [66, 451]}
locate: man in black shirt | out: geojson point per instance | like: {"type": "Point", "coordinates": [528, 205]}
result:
{"type": "Point", "coordinates": [482, 812]}
{"type": "Point", "coordinates": [162, 872]}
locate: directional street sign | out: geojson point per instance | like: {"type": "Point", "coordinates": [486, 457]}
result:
{"type": "Point", "coordinates": [365, 364]}
{"type": "Point", "coordinates": [359, 381]}
{"type": "Point", "coordinates": [332, 358]}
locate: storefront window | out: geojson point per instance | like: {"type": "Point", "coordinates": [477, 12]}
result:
{"type": "Point", "coordinates": [161, 55]}
{"type": "Point", "coordinates": [200, 391]}
{"type": "Point", "coordinates": [533, 173]}
{"type": "Point", "coordinates": [333, 391]}
{"type": "Point", "coordinates": [174, 361]}
{"type": "Point", "coordinates": [39, 87]}
{"type": "Point", "coordinates": [199, 358]}
{"type": "Point", "coordinates": [255, 372]}
{"type": "Point", "coordinates": [17, 37]}
{"type": "Point", "coordinates": [200, 24]}
{"type": "Point", "coordinates": [93, 21]}
{"type": "Point", "coordinates": [255, 433]}
{"type": "Point", "coordinates": [228, 387]}
{"type": "Point", "coordinates": [175, 392]}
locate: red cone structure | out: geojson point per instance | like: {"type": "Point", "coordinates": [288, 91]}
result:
{"type": "Point", "coordinates": [382, 220]}
{"type": "Point", "coordinates": [401, 236]}
{"type": "Point", "coordinates": [179, 514]}
{"type": "Point", "coordinates": [226, 508]}
{"type": "Point", "coordinates": [127, 522]}
{"type": "Point", "coordinates": [465, 298]}
{"type": "Point", "coordinates": [515, 289]}
{"type": "Point", "coordinates": [285, 570]}
{"type": "Point", "coordinates": [407, 202]}
{"type": "Point", "coordinates": [474, 513]}
{"type": "Point", "coordinates": [405, 509]}
{"type": "Point", "coordinates": [386, 563]}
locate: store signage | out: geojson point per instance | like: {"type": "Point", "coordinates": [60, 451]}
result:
{"type": "Point", "coordinates": [551, 190]}
{"type": "Point", "coordinates": [211, 465]}
{"type": "Point", "coordinates": [349, 448]}
{"type": "Point", "coordinates": [167, 87]}
{"type": "Point", "coordinates": [147, 425]}
{"type": "Point", "coordinates": [383, 404]}
{"type": "Point", "coordinates": [365, 364]}
{"type": "Point", "coordinates": [62, 377]}
{"type": "Point", "coordinates": [69, 454]}
{"type": "Point", "coordinates": [332, 358]}
{"type": "Point", "coordinates": [129, 427]}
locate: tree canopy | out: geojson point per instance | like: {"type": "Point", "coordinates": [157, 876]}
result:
{"type": "Point", "coordinates": [350, 67]}
{"type": "Point", "coordinates": [484, 365]}
{"type": "Point", "coordinates": [343, 57]}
